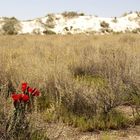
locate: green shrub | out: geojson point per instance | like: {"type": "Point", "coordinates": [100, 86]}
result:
{"type": "Point", "coordinates": [71, 14]}
{"type": "Point", "coordinates": [112, 120]}
{"type": "Point", "coordinates": [114, 20]}
{"type": "Point", "coordinates": [50, 23]}
{"type": "Point", "coordinates": [125, 14]}
{"type": "Point", "coordinates": [49, 32]}
{"type": "Point", "coordinates": [11, 26]}
{"type": "Point", "coordinates": [135, 31]}
{"type": "Point", "coordinates": [66, 29]}
{"type": "Point", "coordinates": [104, 24]}
{"type": "Point", "coordinates": [81, 14]}
{"type": "Point", "coordinates": [138, 14]}
{"type": "Point", "coordinates": [106, 30]}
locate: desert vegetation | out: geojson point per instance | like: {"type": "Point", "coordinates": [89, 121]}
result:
{"type": "Point", "coordinates": [83, 81]}
{"type": "Point", "coordinates": [11, 26]}
{"type": "Point", "coordinates": [72, 14]}
{"type": "Point", "coordinates": [115, 20]}
{"type": "Point", "coordinates": [104, 24]}
{"type": "Point", "coordinates": [105, 27]}
{"type": "Point", "coordinates": [49, 32]}
{"type": "Point", "coordinates": [50, 23]}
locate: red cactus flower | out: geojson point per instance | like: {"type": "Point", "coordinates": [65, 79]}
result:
{"type": "Point", "coordinates": [30, 90]}
{"type": "Point", "coordinates": [20, 96]}
{"type": "Point", "coordinates": [24, 87]}
{"type": "Point", "coordinates": [15, 97]}
{"type": "Point", "coordinates": [25, 98]}
{"type": "Point", "coordinates": [36, 93]}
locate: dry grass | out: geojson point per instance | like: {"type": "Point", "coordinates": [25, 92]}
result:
{"type": "Point", "coordinates": [79, 76]}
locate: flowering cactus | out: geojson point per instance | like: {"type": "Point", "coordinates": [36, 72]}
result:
{"type": "Point", "coordinates": [26, 97]}
{"type": "Point", "coordinates": [23, 103]}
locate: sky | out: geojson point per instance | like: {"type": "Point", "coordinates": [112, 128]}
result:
{"type": "Point", "coordinates": [29, 9]}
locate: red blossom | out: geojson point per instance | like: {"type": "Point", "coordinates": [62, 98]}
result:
{"type": "Point", "coordinates": [30, 90]}
{"type": "Point", "coordinates": [24, 87]}
{"type": "Point", "coordinates": [25, 98]}
{"type": "Point", "coordinates": [15, 97]}
{"type": "Point", "coordinates": [20, 96]}
{"type": "Point", "coordinates": [36, 93]}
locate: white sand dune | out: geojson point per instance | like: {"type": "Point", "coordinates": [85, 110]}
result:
{"type": "Point", "coordinates": [80, 24]}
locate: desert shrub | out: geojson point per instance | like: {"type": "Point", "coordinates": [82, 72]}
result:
{"type": "Point", "coordinates": [105, 27]}
{"type": "Point", "coordinates": [66, 29]}
{"type": "Point", "coordinates": [106, 30]}
{"type": "Point", "coordinates": [81, 14]}
{"type": "Point", "coordinates": [11, 26]}
{"type": "Point", "coordinates": [50, 23]}
{"type": "Point", "coordinates": [108, 78]}
{"type": "Point", "coordinates": [49, 32]}
{"type": "Point", "coordinates": [113, 120]}
{"type": "Point", "coordinates": [137, 30]}
{"type": "Point", "coordinates": [114, 20]}
{"type": "Point", "coordinates": [104, 24]}
{"type": "Point", "coordinates": [138, 14]}
{"type": "Point", "coordinates": [117, 32]}
{"type": "Point", "coordinates": [133, 97]}
{"type": "Point", "coordinates": [125, 14]}
{"type": "Point", "coordinates": [71, 14]}
{"type": "Point", "coordinates": [113, 92]}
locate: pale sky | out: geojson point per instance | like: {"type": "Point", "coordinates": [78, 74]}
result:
{"type": "Point", "coordinates": [29, 9]}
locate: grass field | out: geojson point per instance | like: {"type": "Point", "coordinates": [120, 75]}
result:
{"type": "Point", "coordinates": [83, 79]}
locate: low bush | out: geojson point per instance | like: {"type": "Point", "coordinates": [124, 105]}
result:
{"type": "Point", "coordinates": [112, 120]}
{"type": "Point", "coordinates": [104, 24]}
{"type": "Point", "coordinates": [49, 32]}
{"type": "Point", "coordinates": [114, 20]}
{"type": "Point", "coordinates": [135, 31]}
{"type": "Point", "coordinates": [106, 30]}
{"type": "Point", "coordinates": [11, 26]}
{"type": "Point", "coordinates": [50, 23]}
{"type": "Point", "coordinates": [81, 14]}
{"type": "Point", "coordinates": [71, 14]}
